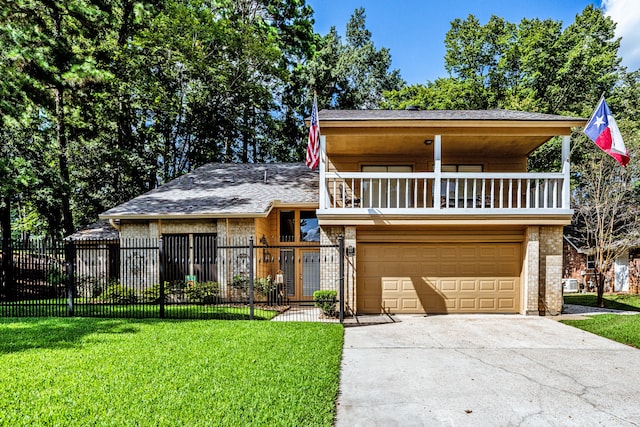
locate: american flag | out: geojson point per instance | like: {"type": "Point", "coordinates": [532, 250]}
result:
{"type": "Point", "coordinates": [313, 148]}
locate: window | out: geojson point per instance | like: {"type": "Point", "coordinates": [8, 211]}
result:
{"type": "Point", "coordinates": [387, 192]}
{"type": "Point", "coordinates": [287, 226]}
{"type": "Point", "coordinates": [448, 186]}
{"type": "Point", "coordinates": [309, 227]}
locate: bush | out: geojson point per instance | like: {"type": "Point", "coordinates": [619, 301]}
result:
{"type": "Point", "coordinates": [56, 277]}
{"type": "Point", "coordinates": [326, 301]}
{"type": "Point", "coordinates": [264, 285]}
{"type": "Point", "coordinates": [203, 292]}
{"type": "Point", "coordinates": [119, 294]}
{"type": "Point", "coordinates": [151, 295]}
{"type": "Point", "coordinates": [240, 282]}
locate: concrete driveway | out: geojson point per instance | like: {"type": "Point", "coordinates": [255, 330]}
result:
{"type": "Point", "coordinates": [491, 370]}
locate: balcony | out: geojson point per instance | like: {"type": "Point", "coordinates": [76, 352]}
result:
{"type": "Point", "coordinates": [431, 193]}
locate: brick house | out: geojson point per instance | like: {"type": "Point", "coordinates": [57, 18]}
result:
{"type": "Point", "coordinates": [578, 265]}
{"type": "Point", "coordinates": [438, 211]}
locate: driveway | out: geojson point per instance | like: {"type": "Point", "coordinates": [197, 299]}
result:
{"type": "Point", "coordinates": [475, 370]}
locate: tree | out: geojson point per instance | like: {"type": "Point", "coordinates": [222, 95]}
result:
{"type": "Point", "coordinates": [354, 74]}
{"type": "Point", "coordinates": [53, 43]}
{"type": "Point", "coordinates": [606, 219]}
{"type": "Point", "coordinates": [534, 65]}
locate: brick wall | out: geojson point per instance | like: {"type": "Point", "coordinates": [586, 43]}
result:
{"type": "Point", "coordinates": [531, 273]}
{"type": "Point", "coordinates": [138, 265]}
{"type": "Point", "coordinates": [551, 270]}
{"type": "Point", "coordinates": [329, 273]}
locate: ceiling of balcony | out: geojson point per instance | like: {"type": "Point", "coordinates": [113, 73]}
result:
{"type": "Point", "coordinates": [455, 141]}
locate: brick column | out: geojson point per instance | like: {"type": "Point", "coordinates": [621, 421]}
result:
{"type": "Point", "coordinates": [329, 270]}
{"type": "Point", "coordinates": [531, 275]}
{"type": "Point", "coordinates": [551, 268]}
{"type": "Point", "coordinates": [350, 271]}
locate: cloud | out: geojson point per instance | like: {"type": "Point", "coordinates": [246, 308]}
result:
{"type": "Point", "coordinates": [626, 14]}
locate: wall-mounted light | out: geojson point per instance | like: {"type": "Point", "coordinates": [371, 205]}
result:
{"type": "Point", "coordinates": [428, 142]}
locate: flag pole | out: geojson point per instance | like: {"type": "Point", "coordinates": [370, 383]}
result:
{"type": "Point", "coordinates": [595, 110]}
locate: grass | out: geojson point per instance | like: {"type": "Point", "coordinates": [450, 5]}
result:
{"type": "Point", "coordinates": [627, 302]}
{"type": "Point", "coordinates": [623, 329]}
{"type": "Point", "coordinates": [150, 372]}
{"type": "Point", "coordinates": [172, 311]}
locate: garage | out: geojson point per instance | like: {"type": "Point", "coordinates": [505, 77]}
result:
{"type": "Point", "coordinates": [438, 277]}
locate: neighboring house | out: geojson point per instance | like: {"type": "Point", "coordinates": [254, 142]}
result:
{"type": "Point", "coordinates": [437, 209]}
{"type": "Point", "coordinates": [578, 264]}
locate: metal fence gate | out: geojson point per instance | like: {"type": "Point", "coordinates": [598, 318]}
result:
{"type": "Point", "coordinates": [194, 276]}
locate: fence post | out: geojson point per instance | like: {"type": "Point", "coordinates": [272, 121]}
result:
{"type": "Point", "coordinates": [161, 275]}
{"type": "Point", "coordinates": [341, 290]}
{"type": "Point", "coordinates": [251, 278]}
{"type": "Point", "coordinates": [70, 255]}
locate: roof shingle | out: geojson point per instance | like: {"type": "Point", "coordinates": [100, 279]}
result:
{"type": "Point", "coordinates": [225, 189]}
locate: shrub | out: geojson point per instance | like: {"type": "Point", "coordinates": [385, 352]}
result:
{"type": "Point", "coordinates": [119, 294]}
{"type": "Point", "coordinates": [240, 282]}
{"type": "Point", "coordinates": [203, 292]}
{"type": "Point", "coordinates": [151, 295]}
{"type": "Point", "coordinates": [326, 301]}
{"type": "Point", "coordinates": [56, 277]}
{"type": "Point", "coordinates": [264, 285]}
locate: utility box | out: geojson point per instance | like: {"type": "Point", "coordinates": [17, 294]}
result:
{"type": "Point", "coordinates": [570, 285]}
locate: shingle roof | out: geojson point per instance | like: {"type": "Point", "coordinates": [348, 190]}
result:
{"type": "Point", "coordinates": [98, 231]}
{"type": "Point", "coordinates": [225, 189]}
{"type": "Point", "coordinates": [499, 115]}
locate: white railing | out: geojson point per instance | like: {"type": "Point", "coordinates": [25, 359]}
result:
{"type": "Point", "coordinates": [445, 191]}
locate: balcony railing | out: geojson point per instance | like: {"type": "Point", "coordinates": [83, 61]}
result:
{"type": "Point", "coordinates": [450, 192]}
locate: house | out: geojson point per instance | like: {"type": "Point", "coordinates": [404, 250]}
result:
{"type": "Point", "coordinates": [578, 265]}
{"type": "Point", "coordinates": [206, 218]}
{"type": "Point", "coordinates": [437, 210]}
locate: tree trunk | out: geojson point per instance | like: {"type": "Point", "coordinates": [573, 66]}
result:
{"type": "Point", "coordinates": [7, 282]}
{"type": "Point", "coordinates": [61, 132]}
{"type": "Point", "coordinates": [65, 186]}
{"type": "Point", "coordinates": [600, 289]}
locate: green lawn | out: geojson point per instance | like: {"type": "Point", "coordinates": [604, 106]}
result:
{"type": "Point", "coordinates": [624, 329]}
{"type": "Point", "coordinates": [127, 372]}
{"type": "Point", "coordinates": [172, 311]}
{"type": "Point", "coordinates": [627, 302]}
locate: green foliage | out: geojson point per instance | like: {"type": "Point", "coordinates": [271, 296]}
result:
{"type": "Point", "coordinates": [154, 372]}
{"type": "Point", "coordinates": [327, 301]}
{"type": "Point", "coordinates": [119, 294]}
{"type": "Point", "coordinates": [264, 285]}
{"type": "Point", "coordinates": [353, 74]}
{"type": "Point", "coordinates": [151, 295]}
{"type": "Point", "coordinates": [240, 281]}
{"type": "Point", "coordinates": [534, 65]}
{"type": "Point", "coordinates": [203, 292]}
{"type": "Point", "coordinates": [56, 275]}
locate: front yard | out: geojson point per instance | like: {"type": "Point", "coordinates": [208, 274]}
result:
{"type": "Point", "coordinates": [87, 371]}
{"type": "Point", "coordinates": [621, 328]}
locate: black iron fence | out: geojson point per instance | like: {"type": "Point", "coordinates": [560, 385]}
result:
{"type": "Point", "coordinates": [178, 276]}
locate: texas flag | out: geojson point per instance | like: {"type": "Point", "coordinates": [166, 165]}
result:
{"type": "Point", "coordinates": [603, 130]}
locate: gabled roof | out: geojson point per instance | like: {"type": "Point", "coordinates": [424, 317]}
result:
{"type": "Point", "coordinates": [437, 115]}
{"type": "Point", "coordinates": [225, 190]}
{"type": "Point", "coordinates": [100, 231]}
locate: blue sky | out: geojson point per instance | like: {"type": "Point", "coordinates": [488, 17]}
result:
{"type": "Point", "coordinates": [414, 30]}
